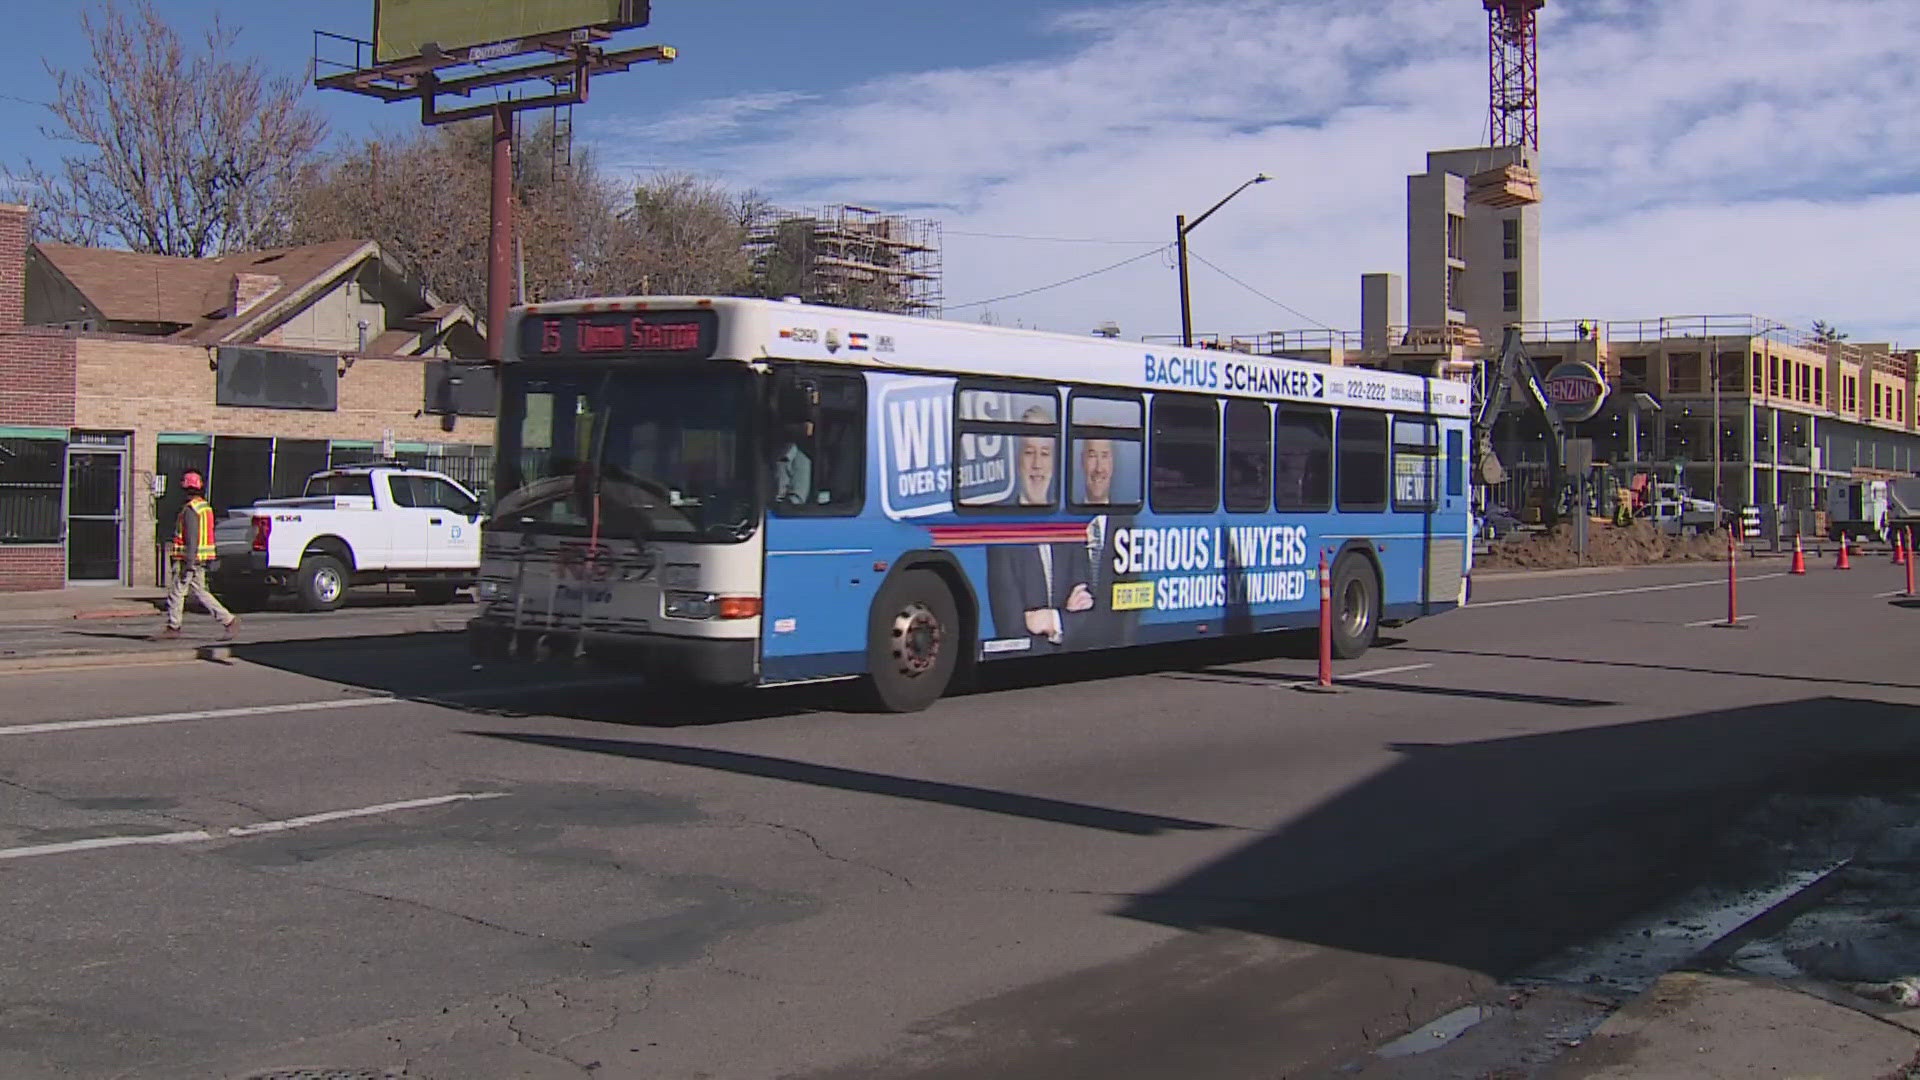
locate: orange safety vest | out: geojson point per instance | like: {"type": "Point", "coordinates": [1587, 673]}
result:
{"type": "Point", "coordinates": [202, 527]}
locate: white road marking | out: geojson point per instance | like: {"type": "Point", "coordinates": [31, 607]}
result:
{"type": "Point", "coordinates": [314, 706]}
{"type": "Point", "coordinates": [1337, 676]}
{"type": "Point", "coordinates": [241, 831]}
{"type": "Point", "coordinates": [201, 714]}
{"type": "Point", "coordinates": [1612, 592]}
{"type": "Point", "coordinates": [1889, 595]}
{"type": "Point", "coordinates": [1718, 622]}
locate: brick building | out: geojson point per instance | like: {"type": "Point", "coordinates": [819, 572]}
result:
{"type": "Point", "coordinates": [120, 371]}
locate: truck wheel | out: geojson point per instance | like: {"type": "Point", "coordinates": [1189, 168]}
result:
{"type": "Point", "coordinates": [1356, 607]}
{"type": "Point", "coordinates": [914, 641]}
{"type": "Point", "coordinates": [321, 583]}
{"type": "Point", "coordinates": [436, 594]}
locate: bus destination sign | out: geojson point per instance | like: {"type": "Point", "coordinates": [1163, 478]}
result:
{"type": "Point", "coordinates": [619, 334]}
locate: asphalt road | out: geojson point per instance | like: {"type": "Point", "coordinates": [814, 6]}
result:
{"type": "Point", "coordinates": [372, 856]}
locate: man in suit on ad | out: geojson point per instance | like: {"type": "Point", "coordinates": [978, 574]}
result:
{"type": "Point", "coordinates": [1100, 626]}
{"type": "Point", "coordinates": [1037, 589]}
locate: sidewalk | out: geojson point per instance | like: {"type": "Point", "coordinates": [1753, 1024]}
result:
{"type": "Point", "coordinates": [80, 602]}
{"type": "Point", "coordinates": [104, 627]}
{"type": "Point", "coordinates": [1691, 1025]}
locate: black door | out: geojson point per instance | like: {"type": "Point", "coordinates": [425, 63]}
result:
{"type": "Point", "coordinates": [96, 518]}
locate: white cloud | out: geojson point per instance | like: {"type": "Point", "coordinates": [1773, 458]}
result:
{"type": "Point", "coordinates": [1728, 154]}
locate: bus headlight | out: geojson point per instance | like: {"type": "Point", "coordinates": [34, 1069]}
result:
{"type": "Point", "coordinates": [487, 591]}
{"type": "Point", "coordinates": [687, 605]}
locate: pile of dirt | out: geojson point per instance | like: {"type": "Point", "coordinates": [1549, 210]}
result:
{"type": "Point", "coordinates": [1607, 545]}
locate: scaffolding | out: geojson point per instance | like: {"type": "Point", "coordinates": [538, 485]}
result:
{"type": "Point", "coordinates": [849, 256]}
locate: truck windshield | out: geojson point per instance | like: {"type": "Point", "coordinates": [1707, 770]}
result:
{"type": "Point", "coordinates": [627, 451]}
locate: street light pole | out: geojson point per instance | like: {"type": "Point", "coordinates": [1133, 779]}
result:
{"type": "Point", "coordinates": [1181, 227]}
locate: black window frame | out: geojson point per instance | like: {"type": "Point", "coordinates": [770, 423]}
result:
{"type": "Point", "coordinates": [1322, 419]}
{"type": "Point", "coordinates": [1013, 429]}
{"type": "Point", "coordinates": [1343, 421]}
{"type": "Point", "coordinates": [1509, 238]}
{"type": "Point", "coordinates": [1428, 450]}
{"type": "Point", "coordinates": [1077, 431]}
{"type": "Point", "coordinates": [34, 488]}
{"type": "Point", "coordinates": [1510, 290]}
{"type": "Point", "coordinates": [1260, 414]}
{"type": "Point", "coordinates": [851, 505]}
{"type": "Point", "coordinates": [1163, 503]}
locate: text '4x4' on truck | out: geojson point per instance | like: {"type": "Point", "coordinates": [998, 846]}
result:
{"type": "Point", "coordinates": [365, 525]}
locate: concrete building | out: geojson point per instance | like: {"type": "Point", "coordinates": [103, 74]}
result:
{"type": "Point", "coordinates": [118, 372]}
{"type": "Point", "coordinates": [1473, 241]}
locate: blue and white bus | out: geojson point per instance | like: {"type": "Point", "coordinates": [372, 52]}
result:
{"type": "Point", "coordinates": [757, 492]}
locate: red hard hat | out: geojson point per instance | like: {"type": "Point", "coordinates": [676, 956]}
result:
{"type": "Point", "coordinates": [190, 481]}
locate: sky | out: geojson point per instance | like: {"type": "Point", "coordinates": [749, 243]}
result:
{"type": "Point", "coordinates": [1698, 156]}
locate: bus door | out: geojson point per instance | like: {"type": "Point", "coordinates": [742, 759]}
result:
{"type": "Point", "coordinates": [1449, 527]}
{"type": "Point", "coordinates": [1416, 491]}
{"type": "Point", "coordinates": [819, 577]}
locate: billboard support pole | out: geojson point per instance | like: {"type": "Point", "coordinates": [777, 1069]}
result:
{"type": "Point", "coordinates": [500, 234]}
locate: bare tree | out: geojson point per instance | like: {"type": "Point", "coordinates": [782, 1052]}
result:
{"type": "Point", "coordinates": [178, 152]}
{"type": "Point", "coordinates": [683, 235]}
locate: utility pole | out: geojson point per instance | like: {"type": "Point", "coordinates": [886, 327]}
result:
{"type": "Point", "coordinates": [1180, 230]}
{"type": "Point", "coordinates": [1713, 367]}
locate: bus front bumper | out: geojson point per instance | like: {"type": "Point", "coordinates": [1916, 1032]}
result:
{"type": "Point", "coordinates": [712, 661]}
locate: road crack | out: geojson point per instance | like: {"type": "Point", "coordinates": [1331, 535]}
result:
{"type": "Point", "coordinates": [825, 852]}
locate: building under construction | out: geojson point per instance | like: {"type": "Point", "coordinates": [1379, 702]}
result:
{"type": "Point", "coordinates": [849, 256]}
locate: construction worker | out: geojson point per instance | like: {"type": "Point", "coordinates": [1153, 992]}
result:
{"type": "Point", "coordinates": [191, 551]}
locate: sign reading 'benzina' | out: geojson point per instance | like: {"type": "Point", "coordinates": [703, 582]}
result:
{"type": "Point", "coordinates": [1576, 390]}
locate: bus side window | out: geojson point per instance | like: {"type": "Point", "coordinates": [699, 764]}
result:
{"type": "Point", "coordinates": [818, 445]}
{"type": "Point", "coordinates": [1302, 459]}
{"type": "Point", "coordinates": [1456, 464]}
{"type": "Point", "coordinates": [1361, 451]}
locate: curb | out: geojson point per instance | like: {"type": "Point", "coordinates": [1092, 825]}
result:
{"type": "Point", "coordinates": [220, 652]}
{"type": "Point", "coordinates": [25, 665]}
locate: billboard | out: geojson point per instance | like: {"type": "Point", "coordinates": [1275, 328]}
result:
{"type": "Point", "coordinates": [276, 379]}
{"type": "Point", "coordinates": [402, 27]}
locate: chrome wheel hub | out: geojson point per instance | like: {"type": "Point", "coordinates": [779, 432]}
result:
{"type": "Point", "coordinates": [917, 636]}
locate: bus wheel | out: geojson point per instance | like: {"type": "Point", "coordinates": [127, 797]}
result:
{"type": "Point", "coordinates": [913, 642]}
{"type": "Point", "coordinates": [1356, 607]}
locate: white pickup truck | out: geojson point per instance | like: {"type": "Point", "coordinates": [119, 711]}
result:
{"type": "Point", "coordinates": [368, 524]}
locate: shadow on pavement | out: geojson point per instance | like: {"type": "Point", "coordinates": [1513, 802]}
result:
{"type": "Point", "coordinates": [1492, 856]}
{"type": "Point", "coordinates": [1231, 675]}
{"type": "Point", "coordinates": [1645, 666]}
{"type": "Point", "coordinates": [435, 666]}
{"type": "Point", "coordinates": [900, 787]}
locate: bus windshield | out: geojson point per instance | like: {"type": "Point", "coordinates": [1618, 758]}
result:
{"type": "Point", "coordinates": [626, 451]}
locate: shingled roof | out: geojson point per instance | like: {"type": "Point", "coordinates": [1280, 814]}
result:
{"type": "Point", "coordinates": [195, 295]}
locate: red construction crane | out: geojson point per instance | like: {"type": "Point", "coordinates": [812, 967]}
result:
{"type": "Point", "coordinates": [1513, 73]}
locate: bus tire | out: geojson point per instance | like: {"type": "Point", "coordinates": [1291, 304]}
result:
{"type": "Point", "coordinates": [1356, 607]}
{"type": "Point", "coordinates": [914, 642]}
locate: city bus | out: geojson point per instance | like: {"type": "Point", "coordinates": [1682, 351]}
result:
{"type": "Point", "coordinates": [759, 492]}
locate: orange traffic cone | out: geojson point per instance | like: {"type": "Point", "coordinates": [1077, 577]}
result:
{"type": "Point", "coordinates": [1799, 558]}
{"type": "Point", "coordinates": [1842, 563]}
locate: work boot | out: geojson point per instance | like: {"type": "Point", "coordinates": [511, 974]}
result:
{"type": "Point", "coordinates": [171, 633]}
{"type": "Point", "coordinates": [232, 628]}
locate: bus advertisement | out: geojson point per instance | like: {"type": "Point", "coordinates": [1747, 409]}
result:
{"type": "Point", "coordinates": [756, 492]}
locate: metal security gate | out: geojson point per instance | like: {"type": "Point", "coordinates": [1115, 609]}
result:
{"type": "Point", "coordinates": [96, 514]}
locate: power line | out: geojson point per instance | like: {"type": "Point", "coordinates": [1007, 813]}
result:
{"type": "Point", "coordinates": [1048, 239]}
{"type": "Point", "coordinates": [1296, 311]}
{"type": "Point", "coordinates": [1057, 284]}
